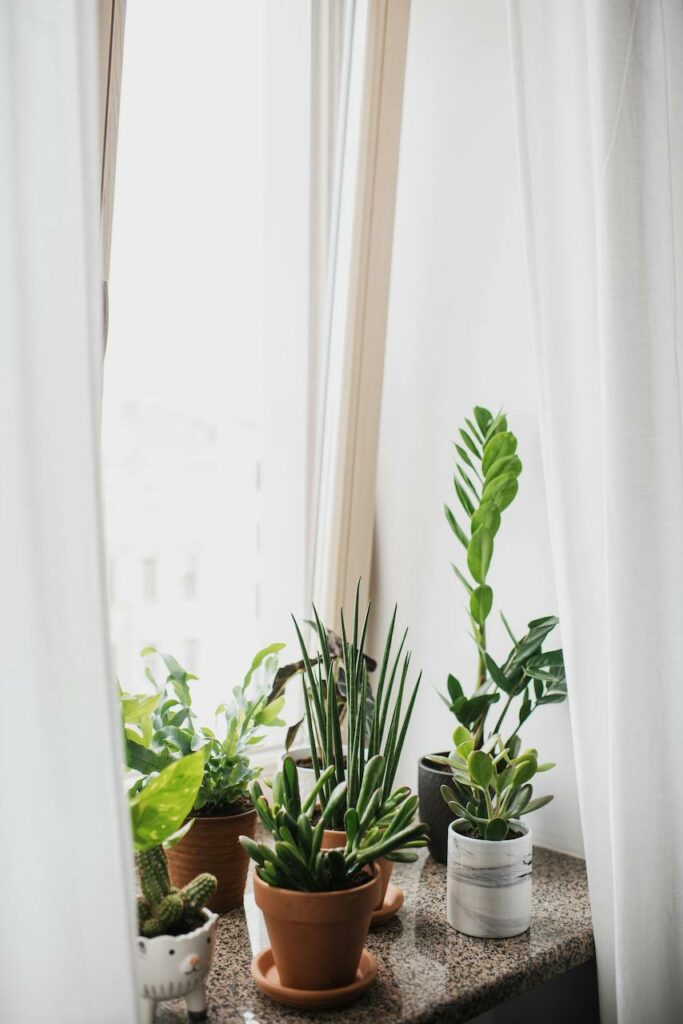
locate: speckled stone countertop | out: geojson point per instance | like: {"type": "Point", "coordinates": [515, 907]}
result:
{"type": "Point", "coordinates": [428, 973]}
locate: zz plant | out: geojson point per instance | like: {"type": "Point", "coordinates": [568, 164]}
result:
{"type": "Point", "coordinates": [492, 788]}
{"type": "Point", "coordinates": [486, 481]}
{"type": "Point", "coordinates": [376, 826]}
{"type": "Point", "coordinates": [162, 728]}
{"type": "Point", "coordinates": [157, 814]}
{"type": "Point", "coordinates": [372, 728]}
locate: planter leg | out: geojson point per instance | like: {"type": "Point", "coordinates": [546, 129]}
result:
{"type": "Point", "coordinates": [196, 1003]}
{"type": "Point", "coordinates": [147, 1009]}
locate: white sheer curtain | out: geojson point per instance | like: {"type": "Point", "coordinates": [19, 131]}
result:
{"type": "Point", "coordinates": [599, 98]}
{"type": "Point", "coordinates": [65, 924]}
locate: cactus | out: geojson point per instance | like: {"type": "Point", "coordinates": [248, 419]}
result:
{"type": "Point", "coordinates": [164, 910]}
{"type": "Point", "coordinates": [375, 827]}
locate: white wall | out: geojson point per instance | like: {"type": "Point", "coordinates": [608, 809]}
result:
{"type": "Point", "coordinates": [459, 335]}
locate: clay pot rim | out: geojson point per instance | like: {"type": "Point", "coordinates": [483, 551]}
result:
{"type": "Point", "coordinates": [518, 824]}
{"type": "Point", "coordinates": [210, 916]}
{"type": "Point", "coordinates": [220, 817]}
{"type": "Point", "coordinates": [435, 769]}
{"type": "Point", "coordinates": [278, 890]}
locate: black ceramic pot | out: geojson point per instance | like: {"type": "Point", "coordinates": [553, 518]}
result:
{"type": "Point", "coordinates": [434, 811]}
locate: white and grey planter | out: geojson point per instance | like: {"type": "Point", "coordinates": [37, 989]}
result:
{"type": "Point", "coordinates": [489, 884]}
{"type": "Point", "coordinates": [176, 966]}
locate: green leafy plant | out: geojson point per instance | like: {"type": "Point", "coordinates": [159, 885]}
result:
{"type": "Point", "coordinates": [287, 673]}
{"type": "Point", "coordinates": [376, 826]}
{"type": "Point", "coordinates": [157, 814]}
{"type": "Point", "coordinates": [382, 732]}
{"type": "Point", "coordinates": [486, 482]}
{"type": "Point", "coordinates": [162, 728]}
{"type": "Point", "coordinates": [492, 788]}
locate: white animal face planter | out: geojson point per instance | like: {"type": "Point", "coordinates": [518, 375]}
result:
{"type": "Point", "coordinates": [172, 966]}
{"type": "Point", "coordinates": [489, 884]}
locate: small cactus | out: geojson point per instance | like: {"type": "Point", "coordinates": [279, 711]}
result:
{"type": "Point", "coordinates": [163, 909]}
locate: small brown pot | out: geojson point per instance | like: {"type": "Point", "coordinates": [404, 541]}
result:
{"type": "Point", "coordinates": [211, 845]}
{"type": "Point", "coordinates": [317, 938]}
{"type": "Point", "coordinates": [332, 839]}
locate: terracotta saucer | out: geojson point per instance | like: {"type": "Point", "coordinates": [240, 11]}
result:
{"type": "Point", "coordinates": [264, 972]}
{"type": "Point", "coordinates": [393, 901]}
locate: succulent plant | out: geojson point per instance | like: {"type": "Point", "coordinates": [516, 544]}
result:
{"type": "Point", "coordinates": [491, 787]}
{"type": "Point", "coordinates": [162, 909]}
{"type": "Point", "coordinates": [486, 481]}
{"type": "Point", "coordinates": [376, 826]}
{"type": "Point", "coordinates": [384, 733]}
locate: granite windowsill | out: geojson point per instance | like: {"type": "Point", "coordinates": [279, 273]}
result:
{"type": "Point", "coordinates": [428, 973]}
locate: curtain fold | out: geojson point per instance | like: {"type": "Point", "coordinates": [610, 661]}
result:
{"type": "Point", "coordinates": [599, 111]}
{"type": "Point", "coordinates": [66, 925]}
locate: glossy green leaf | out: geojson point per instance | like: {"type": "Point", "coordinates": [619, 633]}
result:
{"type": "Point", "coordinates": [498, 447]}
{"type": "Point", "coordinates": [481, 602]}
{"type": "Point", "coordinates": [496, 830]}
{"type": "Point", "coordinates": [501, 490]}
{"type": "Point", "coordinates": [508, 464]}
{"type": "Point", "coordinates": [479, 553]}
{"type": "Point", "coordinates": [480, 767]}
{"type": "Point", "coordinates": [454, 688]}
{"type": "Point", "coordinates": [484, 419]}
{"type": "Point", "coordinates": [488, 515]}
{"type": "Point", "coordinates": [455, 526]}
{"type": "Point", "coordinates": [162, 806]}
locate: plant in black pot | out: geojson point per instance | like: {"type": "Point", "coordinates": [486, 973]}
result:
{"type": "Point", "coordinates": [507, 692]}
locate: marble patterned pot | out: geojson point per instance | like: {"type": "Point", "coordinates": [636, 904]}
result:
{"type": "Point", "coordinates": [434, 811]}
{"type": "Point", "coordinates": [173, 966]}
{"type": "Point", "coordinates": [489, 884]}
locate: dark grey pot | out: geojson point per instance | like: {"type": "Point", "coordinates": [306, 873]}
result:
{"type": "Point", "coordinates": [434, 811]}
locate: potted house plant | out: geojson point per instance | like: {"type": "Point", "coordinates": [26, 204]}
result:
{"type": "Point", "coordinates": [300, 751]}
{"type": "Point", "coordinates": [486, 483]}
{"type": "Point", "coordinates": [163, 728]}
{"type": "Point", "coordinates": [317, 903]}
{"type": "Point", "coordinates": [177, 932]}
{"type": "Point", "coordinates": [373, 728]}
{"type": "Point", "coordinates": [489, 847]}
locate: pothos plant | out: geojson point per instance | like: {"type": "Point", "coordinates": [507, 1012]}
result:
{"type": "Point", "coordinates": [486, 481]}
{"type": "Point", "coordinates": [162, 727]}
{"type": "Point", "coordinates": [492, 788]}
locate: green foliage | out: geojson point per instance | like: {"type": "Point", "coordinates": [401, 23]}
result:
{"type": "Point", "coordinates": [335, 649]}
{"type": "Point", "coordinates": [380, 730]}
{"type": "Point", "coordinates": [376, 826]}
{"type": "Point", "coordinates": [486, 481]}
{"type": "Point", "coordinates": [491, 786]}
{"type": "Point", "coordinates": [156, 814]}
{"type": "Point", "coordinates": [162, 728]}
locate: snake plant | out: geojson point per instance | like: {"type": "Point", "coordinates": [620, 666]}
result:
{"type": "Point", "coordinates": [385, 732]}
{"type": "Point", "coordinates": [376, 826]}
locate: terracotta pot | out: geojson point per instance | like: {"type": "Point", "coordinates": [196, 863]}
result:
{"type": "Point", "coordinates": [211, 845]}
{"type": "Point", "coordinates": [317, 938]}
{"type": "Point", "coordinates": [332, 839]}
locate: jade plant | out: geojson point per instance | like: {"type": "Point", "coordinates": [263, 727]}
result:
{"type": "Point", "coordinates": [371, 729]}
{"type": "Point", "coordinates": [486, 482]}
{"type": "Point", "coordinates": [157, 816]}
{"type": "Point", "coordinates": [377, 826]}
{"type": "Point", "coordinates": [492, 788]}
{"type": "Point", "coordinates": [162, 727]}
